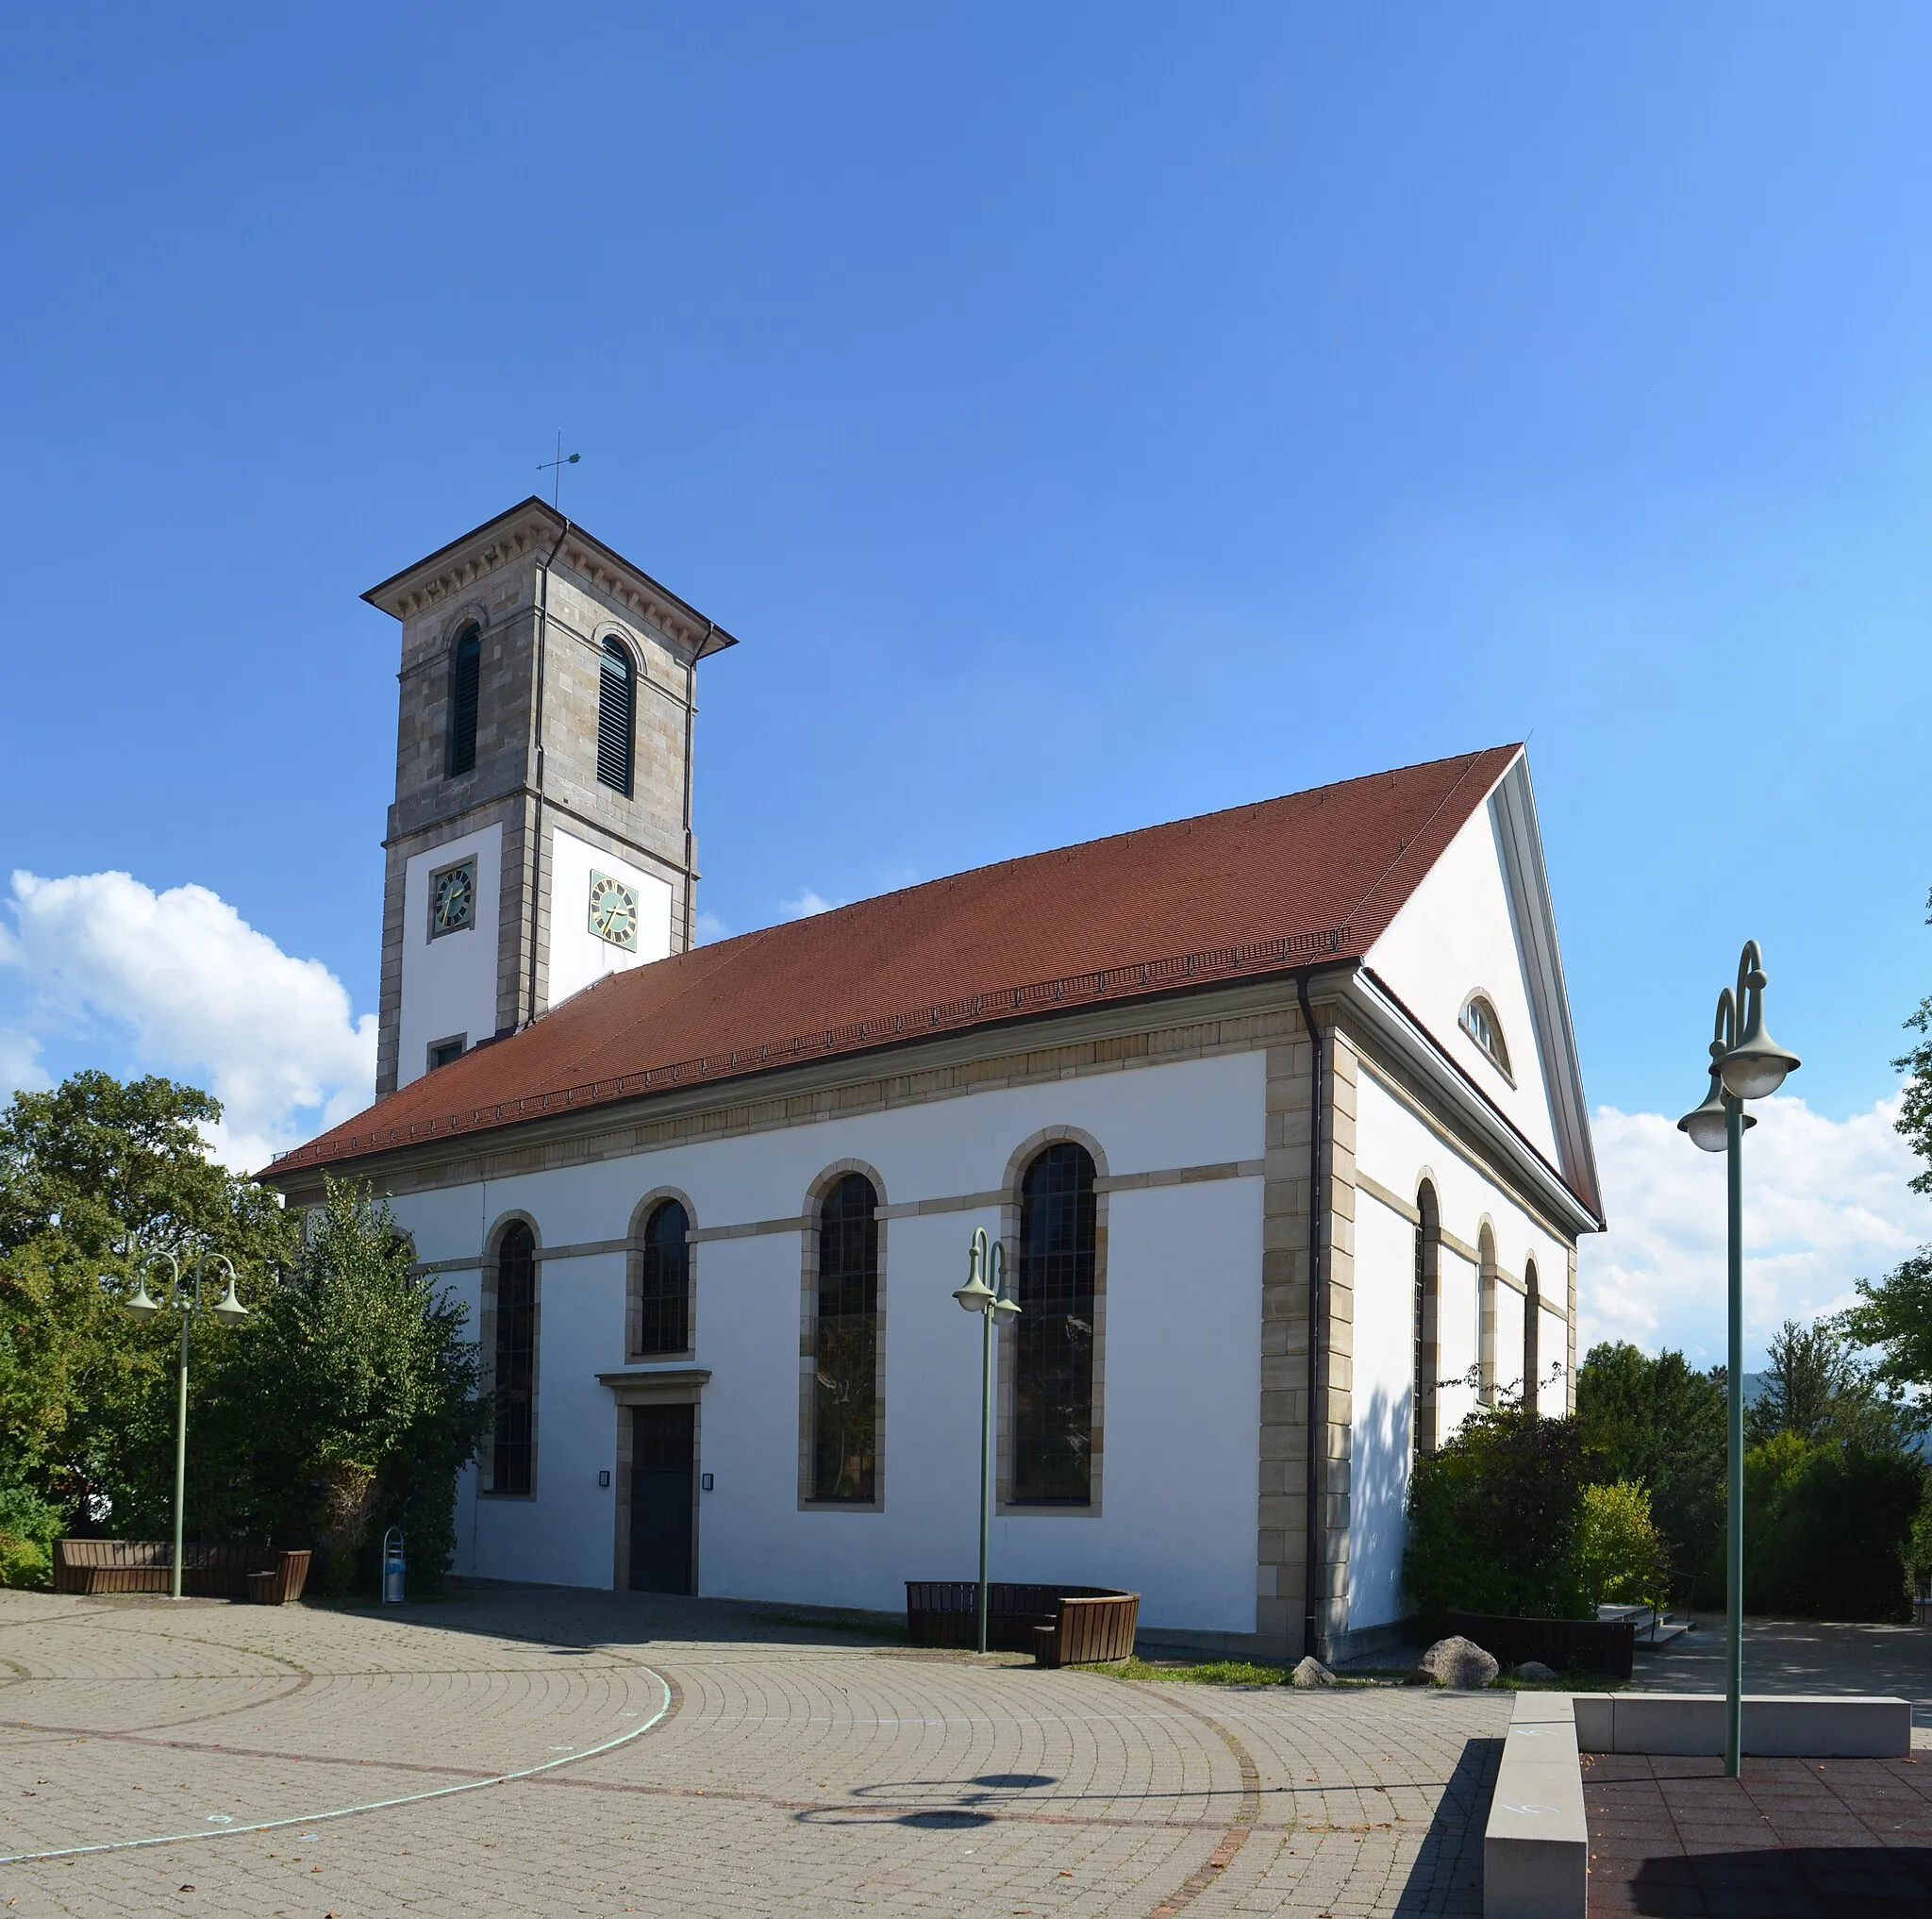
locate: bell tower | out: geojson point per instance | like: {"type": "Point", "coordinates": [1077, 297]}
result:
{"type": "Point", "coordinates": [541, 830]}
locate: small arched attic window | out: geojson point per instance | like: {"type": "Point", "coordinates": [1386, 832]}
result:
{"type": "Point", "coordinates": [616, 717]}
{"type": "Point", "coordinates": [1480, 1023]}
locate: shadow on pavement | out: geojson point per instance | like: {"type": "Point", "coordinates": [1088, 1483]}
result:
{"type": "Point", "coordinates": [1791, 1883]}
{"type": "Point", "coordinates": [1447, 1876]}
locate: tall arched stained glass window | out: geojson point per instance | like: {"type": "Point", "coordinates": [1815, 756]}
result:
{"type": "Point", "coordinates": [1053, 1379]}
{"type": "Point", "coordinates": [514, 1384]}
{"type": "Point", "coordinates": [616, 717]}
{"type": "Point", "coordinates": [664, 1282]}
{"type": "Point", "coordinates": [465, 699]}
{"type": "Point", "coordinates": [1428, 1240]}
{"type": "Point", "coordinates": [1532, 1359]}
{"type": "Point", "coordinates": [845, 1386]}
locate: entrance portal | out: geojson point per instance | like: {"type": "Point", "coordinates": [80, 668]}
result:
{"type": "Point", "coordinates": [662, 1457]}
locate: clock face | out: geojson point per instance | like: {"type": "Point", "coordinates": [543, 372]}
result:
{"type": "Point", "coordinates": [614, 912]}
{"type": "Point", "coordinates": [453, 899]}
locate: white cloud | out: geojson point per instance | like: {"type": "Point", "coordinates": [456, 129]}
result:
{"type": "Point", "coordinates": [806, 905]}
{"type": "Point", "coordinates": [187, 987]}
{"type": "Point", "coordinates": [19, 1061]}
{"type": "Point", "coordinates": [1825, 1202]}
{"type": "Point", "coordinates": [710, 928]}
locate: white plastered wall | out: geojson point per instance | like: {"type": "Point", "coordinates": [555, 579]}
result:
{"type": "Point", "coordinates": [579, 955]}
{"type": "Point", "coordinates": [1394, 1148]}
{"type": "Point", "coordinates": [1456, 936]}
{"type": "Point", "coordinates": [1181, 1379]}
{"type": "Point", "coordinates": [449, 984]}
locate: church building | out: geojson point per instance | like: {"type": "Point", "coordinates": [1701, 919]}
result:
{"type": "Point", "coordinates": [1277, 1112]}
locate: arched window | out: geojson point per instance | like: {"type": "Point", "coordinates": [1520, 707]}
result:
{"type": "Point", "coordinates": [1053, 1376]}
{"type": "Point", "coordinates": [616, 717]}
{"type": "Point", "coordinates": [663, 1296]}
{"type": "Point", "coordinates": [1531, 1330]}
{"type": "Point", "coordinates": [514, 1380]}
{"type": "Point", "coordinates": [1428, 1240]}
{"type": "Point", "coordinates": [1486, 1317]}
{"type": "Point", "coordinates": [465, 697]}
{"type": "Point", "coordinates": [1480, 1023]}
{"type": "Point", "coordinates": [845, 1384]}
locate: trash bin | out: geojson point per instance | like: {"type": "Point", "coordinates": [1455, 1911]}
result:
{"type": "Point", "coordinates": [393, 1566]}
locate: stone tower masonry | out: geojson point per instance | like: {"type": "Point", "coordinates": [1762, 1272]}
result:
{"type": "Point", "coordinates": [545, 844]}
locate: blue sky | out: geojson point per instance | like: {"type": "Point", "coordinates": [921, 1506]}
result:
{"type": "Point", "coordinates": [1085, 416]}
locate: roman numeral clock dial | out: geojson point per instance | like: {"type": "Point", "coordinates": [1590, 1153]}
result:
{"type": "Point", "coordinates": [614, 912]}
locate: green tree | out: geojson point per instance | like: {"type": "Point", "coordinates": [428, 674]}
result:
{"type": "Point", "coordinates": [351, 1402]}
{"type": "Point", "coordinates": [1827, 1527]}
{"type": "Point", "coordinates": [1660, 1423]}
{"type": "Point", "coordinates": [1621, 1557]}
{"type": "Point", "coordinates": [94, 1174]}
{"type": "Point", "coordinates": [1816, 1387]}
{"type": "Point", "coordinates": [1493, 1518]}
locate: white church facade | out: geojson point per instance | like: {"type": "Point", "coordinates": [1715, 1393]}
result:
{"type": "Point", "coordinates": [1277, 1112]}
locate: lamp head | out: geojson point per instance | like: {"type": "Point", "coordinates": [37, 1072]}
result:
{"type": "Point", "coordinates": [142, 1305]}
{"type": "Point", "coordinates": [1005, 1310]}
{"type": "Point", "coordinates": [976, 1296]}
{"type": "Point", "coordinates": [1756, 1066]}
{"type": "Point", "coordinates": [228, 1309]}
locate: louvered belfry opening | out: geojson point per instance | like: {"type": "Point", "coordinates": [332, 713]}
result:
{"type": "Point", "coordinates": [616, 717]}
{"type": "Point", "coordinates": [465, 695]}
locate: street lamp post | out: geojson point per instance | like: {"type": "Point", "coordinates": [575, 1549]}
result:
{"type": "Point", "coordinates": [229, 1310]}
{"type": "Point", "coordinates": [991, 1302]}
{"type": "Point", "coordinates": [1743, 1066]}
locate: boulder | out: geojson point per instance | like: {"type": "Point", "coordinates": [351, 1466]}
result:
{"type": "Point", "coordinates": [1311, 1672]}
{"type": "Point", "coordinates": [1455, 1661]}
{"type": "Point", "coordinates": [1535, 1669]}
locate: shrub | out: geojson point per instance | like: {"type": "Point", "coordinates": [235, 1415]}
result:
{"type": "Point", "coordinates": [1492, 1520]}
{"type": "Point", "coordinates": [1826, 1527]}
{"type": "Point", "coordinates": [28, 1528]}
{"type": "Point", "coordinates": [1621, 1557]}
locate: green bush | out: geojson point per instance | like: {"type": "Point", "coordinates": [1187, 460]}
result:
{"type": "Point", "coordinates": [1621, 1557]}
{"type": "Point", "coordinates": [1827, 1526]}
{"type": "Point", "coordinates": [1492, 1520]}
{"type": "Point", "coordinates": [28, 1528]}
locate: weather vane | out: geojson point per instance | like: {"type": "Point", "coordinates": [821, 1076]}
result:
{"type": "Point", "coordinates": [554, 468]}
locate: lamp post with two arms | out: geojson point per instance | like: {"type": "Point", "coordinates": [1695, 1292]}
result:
{"type": "Point", "coordinates": [991, 1301]}
{"type": "Point", "coordinates": [1744, 1064]}
{"type": "Point", "coordinates": [183, 1295]}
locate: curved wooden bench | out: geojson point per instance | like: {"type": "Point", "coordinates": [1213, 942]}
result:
{"type": "Point", "coordinates": [1060, 1626]}
{"type": "Point", "coordinates": [147, 1565]}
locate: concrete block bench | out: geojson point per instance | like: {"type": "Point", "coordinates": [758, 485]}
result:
{"type": "Point", "coordinates": [1060, 1626]}
{"type": "Point", "coordinates": [142, 1565]}
{"type": "Point", "coordinates": [1536, 1848]}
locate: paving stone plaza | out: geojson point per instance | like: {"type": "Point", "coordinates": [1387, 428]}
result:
{"type": "Point", "coordinates": [559, 1752]}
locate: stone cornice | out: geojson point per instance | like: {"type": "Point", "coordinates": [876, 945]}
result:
{"type": "Point", "coordinates": [523, 536]}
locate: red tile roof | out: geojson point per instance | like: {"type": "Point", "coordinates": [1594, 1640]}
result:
{"type": "Point", "coordinates": [1314, 877]}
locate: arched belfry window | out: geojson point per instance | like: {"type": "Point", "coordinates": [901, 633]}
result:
{"type": "Point", "coordinates": [1429, 1241]}
{"type": "Point", "coordinates": [845, 1379]}
{"type": "Point", "coordinates": [1053, 1379]}
{"type": "Point", "coordinates": [514, 1381]}
{"type": "Point", "coordinates": [1532, 1308]}
{"type": "Point", "coordinates": [616, 717]}
{"type": "Point", "coordinates": [465, 699]}
{"type": "Point", "coordinates": [1480, 1023]}
{"type": "Point", "coordinates": [663, 1296]}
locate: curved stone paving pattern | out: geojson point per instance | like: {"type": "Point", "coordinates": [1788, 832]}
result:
{"type": "Point", "coordinates": [796, 1771]}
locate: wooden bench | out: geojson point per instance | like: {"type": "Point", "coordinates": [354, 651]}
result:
{"type": "Point", "coordinates": [143, 1565]}
{"type": "Point", "coordinates": [1060, 1626]}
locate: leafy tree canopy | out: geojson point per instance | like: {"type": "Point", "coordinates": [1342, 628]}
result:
{"type": "Point", "coordinates": [1817, 1387]}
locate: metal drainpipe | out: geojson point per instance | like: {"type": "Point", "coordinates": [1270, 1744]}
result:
{"type": "Point", "coordinates": [537, 817]}
{"type": "Point", "coordinates": [691, 853]}
{"type": "Point", "coordinates": [1311, 1597]}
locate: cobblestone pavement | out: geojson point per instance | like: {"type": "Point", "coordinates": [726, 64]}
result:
{"type": "Point", "coordinates": [680, 1757]}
